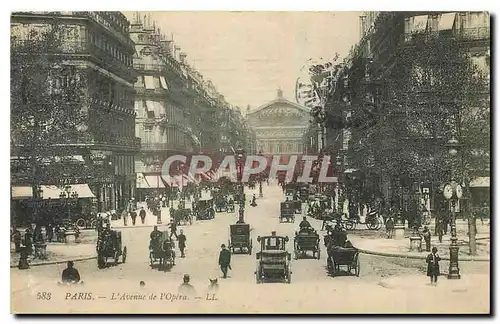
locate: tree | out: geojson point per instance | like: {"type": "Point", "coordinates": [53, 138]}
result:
{"type": "Point", "coordinates": [47, 107]}
{"type": "Point", "coordinates": [434, 91]}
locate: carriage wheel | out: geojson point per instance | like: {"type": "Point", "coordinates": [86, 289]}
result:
{"type": "Point", "coordinates": [379, 224]}
{"type": "Point", "coordinates": [372, 224]}
{"type": "Point", "coordinates": [334, 268]}
{"type": "Point", "coordinates": [93, 224]}
{"type": "Point", "coordinates": [357, 267]}
{"type": "Point", "coordinates": [124, 254]}
{"type": "Point", "coordinates": [349, 225]}
{"type": "Point", "coordinates": [81, 223]}
{"type": "Point", "coordinates": [116, 257]}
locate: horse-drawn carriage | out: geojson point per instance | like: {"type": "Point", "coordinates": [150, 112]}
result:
{"type": "Point", "coordinates": [205, 209]}
{"type": "Point", "coordinates": [341, 253]}
{"type": "Point", "coordinates": [240, 238]}
{"type": "Point", "coordinates": [274, 262]}
{"type": "Point", "coordinates": [287, 212]}
{"type": "Point", "coordinates": [183, 216]}
{"type": "Point", "coordinates": [307, 239]}
{"type": "Point", "coordinates": [317, 206]}
{"type": "Point", "coordinates": [109, 245]}
{"type": "Point", "coordinates": [161, 251]}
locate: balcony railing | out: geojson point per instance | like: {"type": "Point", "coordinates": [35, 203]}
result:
{"type": "Point", "coordinates": [149, 67]}
{"type": "Point", "coordinates": [156, 146]}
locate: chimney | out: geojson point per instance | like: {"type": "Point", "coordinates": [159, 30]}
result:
{"type": "Point", "coordinates": [182, 57]}
{"type": "Point", "coordinates": [280, 94]}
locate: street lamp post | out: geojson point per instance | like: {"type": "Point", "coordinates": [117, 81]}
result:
{"type": "Point", "coordinates": [260, 181]}
{"type": "Point", "coordinates": [453, 192]}
{"type": "Point", "coordinates": [239, 157]}
{"type": "Point", "coordinates": [399, 228]}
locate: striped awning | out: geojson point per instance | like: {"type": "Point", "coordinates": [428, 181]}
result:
{"type": "Point", "coordinates": [23, 192]}
{"type": "Point", "coordinates": [163, 83]}
{"type": "Point", "coordinates": [419, 24]}
{"type": "Point", "coordinates": [446, 21]}
{"type": "Point", "coordinates": [480, 182]}
{"type": "Point", "coordinates": [149, 82]}
{"type": "Point", "coordinates": [141, 182]}
{"type": "Point", "coordinates": [54, 192]}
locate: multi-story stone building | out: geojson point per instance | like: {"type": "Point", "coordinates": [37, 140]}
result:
{"type": "Point", "coordinates": [98, 47]}
{"type": "Point", "coordinates": [384, 36]}
{"type": "Point", "coordinates": [177, 110]}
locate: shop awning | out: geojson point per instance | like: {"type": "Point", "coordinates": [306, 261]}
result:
{"type": "Point", "coordinates": [419, 24]}
{"type": "Point", "coordinates": [154, 181]}
{"type": "Point", "coordinates": [141, 182]}
{"type": "Point", "coordinates": [54, 192]}
{"type": "Point", "coordinates": [163, 83]}
{"type": "Point", "coordinates": [446, 21]}
{"type": "Point", "coordinates": [150, 82]}
{"type": "Point", "coordinates": [22, 193]}
{"type": "Point", "coordinates": [480, 182]}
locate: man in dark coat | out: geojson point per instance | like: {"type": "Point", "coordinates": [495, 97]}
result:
{"type": "Point", "coordinates": [427, 238]}
{"type": "Point", "coordinates": [70, 275]}
{"type": "Point", "coordinates": [224, 260]}
{"type": "Point", "coordinates": [433, 265]}
{"type": "Point", "coordinates": [142, 215]}
{"type": "Point", "coordinates": [182, 243]}
{"type": "Point", "coordinates": [17, 238]}
{"type": "Point", "coordinates": [173, 229]}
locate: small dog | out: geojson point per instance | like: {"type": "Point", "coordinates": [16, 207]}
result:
{"type": "Point", "coordinates": [214, 286]}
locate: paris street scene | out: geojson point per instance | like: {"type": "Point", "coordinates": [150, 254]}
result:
{"type": "Point", "coordinates": [250, 162]}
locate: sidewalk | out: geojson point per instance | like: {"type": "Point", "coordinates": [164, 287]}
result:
{"type": "Point", "coordinates": [467, 283]}
{"type": "Point", "coordinates": [401, 247]}
{"type": "Point", "coordinates": [59, 253]}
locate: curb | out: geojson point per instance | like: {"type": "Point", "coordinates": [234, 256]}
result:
{"type": "Point", "coordinates": [421, 257]}
{"type": "Point", "coordinates": [57, 262]}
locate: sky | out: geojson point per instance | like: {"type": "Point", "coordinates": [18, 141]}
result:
{"type": "Point", "coordinates": [249, 55]}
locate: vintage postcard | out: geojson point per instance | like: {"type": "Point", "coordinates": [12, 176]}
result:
{"type": "Point", "coordinates": [250, 162]}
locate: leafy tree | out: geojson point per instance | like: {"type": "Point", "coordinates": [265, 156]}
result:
{"type": "Point", "coordinates": [434, 92]}
{"type": "Point", "coordinates": [46, 107]}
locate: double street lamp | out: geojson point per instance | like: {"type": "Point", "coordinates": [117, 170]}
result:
{"type": "Point", "coordinates": [67, 194]}
{"type": "Point", "coordinates": [452, 191]}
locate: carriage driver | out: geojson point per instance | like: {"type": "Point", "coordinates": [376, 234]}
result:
{"type": "Point", "coordinates": [304, 224]}
{"type": "Point", "coordinates": [154, 236]}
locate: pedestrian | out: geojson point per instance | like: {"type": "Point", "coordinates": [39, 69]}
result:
{"type": "Point", "coordinates": [433, 265]}
{"type": "Point", "coordinates": [70, 275]}
{"type": "Point", "coordinates": [49, 231]}
{"type": "Point", "coordinates": [439, 229]}
{"type": "Point", "coordinates": [133, 216]}
{"type": "Point", "coordinates": [186, 288]}
{"type": "Point", "coordinates": [427, 238]}
{"type": "Point", "coordinates": [17, 238]}
{"type": "Point", "coordinates": [224, 260]}
{"type": "Point", "coordinates": [173, 229]}
{"type": "Point", "coordinates": [182, 243]}
{"type": "Point", "coordinates": [142, 215]}
{"type": "Point", "coordinates": [125, 217]}
{"type": "Point", "coordinates": [389, 227]}
{"type": "Point", "coordinates": [28, 241]}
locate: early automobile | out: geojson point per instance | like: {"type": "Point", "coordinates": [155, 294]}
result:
{"type": "Point", "coordinates": [240, 238]}
{"type": "Point", "coordinates": [161, 251]}
{"type": "Point", "coordinates": [341, 253]}
{"type": "Point", "coordinates": [273, 260]}
{"type": "Point", "coordinates": [109, 245]}
{"type": "Point", "coordinates": [205, 209]}
{"type": "Point", "coordinates": [306, 240]}
{"type": "Point", "coordinates": [287, 212]}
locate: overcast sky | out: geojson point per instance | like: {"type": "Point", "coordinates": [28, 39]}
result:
{"type": "Point", "coordinates": [248, 55]}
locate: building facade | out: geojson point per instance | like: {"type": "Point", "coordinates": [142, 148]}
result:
{"type": "Point", "coordinates": [376, 58]}
{"type": "Point", "coordinates": [177, 110]}
{"type": "Point", "coordinates": [96, 45]}
{"type": "Point", "coordinates": [279, 127]}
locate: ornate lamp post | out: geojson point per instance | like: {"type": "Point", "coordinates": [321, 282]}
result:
{"type": "Point", "coordinates": [240, 164]}
{"type": "Point", "coordinates": [453, 192]}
